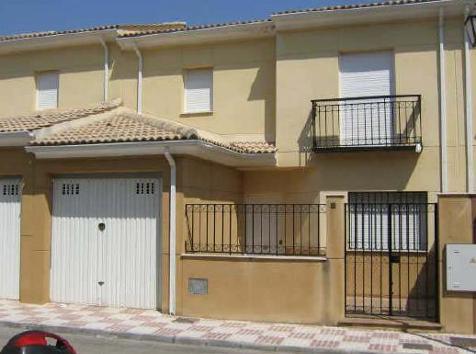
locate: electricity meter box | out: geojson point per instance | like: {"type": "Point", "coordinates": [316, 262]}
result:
{"type": "Point", "coordinates": [461, 267]}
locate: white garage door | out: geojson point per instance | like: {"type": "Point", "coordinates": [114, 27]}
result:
{"type": "Point", "coordinates": [105, 241]}
{"type": "Point", "coordinates": [10, 194]}
{"type": "Point", "coordinates": [364, 75]}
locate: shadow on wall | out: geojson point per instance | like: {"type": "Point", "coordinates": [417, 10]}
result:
{"type": "Point", "coordinates": [414, 284]}
{"type": "Point", "coordinates": [267, 229]}
{"type": "Point", "coordinates": [260, 92]}
{"type": "Point", "coordinates": [364, 170]}
{"type": "Point", "coordinates": [305, 140]}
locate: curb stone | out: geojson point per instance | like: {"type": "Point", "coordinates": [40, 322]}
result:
{"type": "Point", "coordinates": [174, 339]}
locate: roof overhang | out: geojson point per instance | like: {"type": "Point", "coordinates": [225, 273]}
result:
{"type": "Point", "coordinates": [16, 138]}
{"type": "Point", "coordinates": [56, 40]}
{"type": "Point", "coordinates": [197, 148]}
{"type": "Point", "coordinates": [369, 14]}
{"type": "Point", "coordinates": [198, 36]}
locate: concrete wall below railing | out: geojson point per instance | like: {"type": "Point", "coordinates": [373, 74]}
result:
{"type": "Point", "coordinates": [456, 219]}
{"type": "Point", "coordinates": [281, 289]}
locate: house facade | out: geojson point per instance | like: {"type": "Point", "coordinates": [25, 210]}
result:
{"type": "Point", "coordinates": [290, 169]}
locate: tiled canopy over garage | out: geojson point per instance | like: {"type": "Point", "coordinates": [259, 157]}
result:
{"type": "Point", "coordinates": [109, 122]}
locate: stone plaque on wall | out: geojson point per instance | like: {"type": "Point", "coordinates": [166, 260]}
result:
{"type": "Point", "coordinates": [197, 286]}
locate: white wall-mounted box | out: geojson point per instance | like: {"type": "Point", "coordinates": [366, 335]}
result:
{"type": "Point", "coordinates": [461, 267]}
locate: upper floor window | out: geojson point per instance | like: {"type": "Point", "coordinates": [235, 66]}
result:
{"type": "Point", "coordinates": [47, 84]}
{"type": "Point", "coordinates": [198, 90]}
{"type": "Point", "coordinates": [370, 77]}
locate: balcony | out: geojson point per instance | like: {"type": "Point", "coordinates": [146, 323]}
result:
{"type": "Point", "coordinates": [367, 123]}
{"type": "Point", "coordinates": [255, 229]}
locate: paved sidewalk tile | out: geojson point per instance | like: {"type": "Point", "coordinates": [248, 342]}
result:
{"type": "Point", "coordinates": [152, 324]}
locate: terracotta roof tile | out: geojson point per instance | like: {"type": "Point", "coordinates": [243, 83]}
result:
{"type": "Point", "coordinates": [124, 28]}
{"type": "Point", "coordinates": [114, 129]}
{"type": "Point", "coordinates": [54, 33]}
{"type": "Point", "coordinates": [47, 118]}
{"type": "Point", "coordinates": [123, 125]}
{"type": "Point", "coordinates": [193, 28]}
{"type": "Point", "coordinates": [134, 30]}
{"type": "Point", "coordinates": [254, 147]}
{"type": "Point", "coordinates": [355, 6]}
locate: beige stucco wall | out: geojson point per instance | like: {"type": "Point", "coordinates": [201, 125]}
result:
{"type": "Point", "coordinates": [456, 220]}
{"type": "Point", "coordinates": [308, 60]}
{"type": "Point", "coordinates": [36, 210]}
{"type": "Point", "coordinates": [263, 87]}
{"type": "Point", "coordinates": [80, 77]}
{"type": "Point", "coordinates": [283, 290]}
{"type": "Point", "coordinates": [197, 181]}
{"type": "Point", "coordinates": [310, 291]}
{"type": "Point", "coordinates": [243, 84]}
{"type": "Point", "coordinates": [358, 171]}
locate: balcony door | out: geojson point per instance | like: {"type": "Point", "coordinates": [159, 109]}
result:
{"type": "Point", "coordinates": [367, 121]}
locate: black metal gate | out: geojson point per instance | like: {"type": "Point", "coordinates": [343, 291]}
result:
{"type": "Point", "coordinates": [391, 266]}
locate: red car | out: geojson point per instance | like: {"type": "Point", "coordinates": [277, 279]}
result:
{"type": "Point", "coordinates": [38, 342]}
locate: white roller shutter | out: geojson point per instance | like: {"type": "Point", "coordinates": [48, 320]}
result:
{"type": "Point", "coordinates": [47, 86]}
{"type": "Point", "coordinates": [10, 195]}
{"type": "Point", "coordinates": [371, 214]}
{"type": "Point", "coordinates": [362, 75]}
{"type": "Point", "coordinates": [105, 240]}
{"type": "Point", "coordinates": [198, 90]}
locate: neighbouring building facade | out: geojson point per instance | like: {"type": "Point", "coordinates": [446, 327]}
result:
{"type": "Point", "coordinates": [307, 168]}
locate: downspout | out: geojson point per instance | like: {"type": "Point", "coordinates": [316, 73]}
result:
{"type": "Point", "coordinates": [172, 232]}
{"type": "Point", "coordinates": [139, 80]}
{"type": "Point", "coordinates": [442, 99]}
{"type": "Point", "coordinates": [468, 110]}
{"type": "Point", "coordinates": [106, 70]}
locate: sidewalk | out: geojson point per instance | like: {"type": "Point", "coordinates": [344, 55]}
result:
{"type": "Point", "coordinates": [152, 325]}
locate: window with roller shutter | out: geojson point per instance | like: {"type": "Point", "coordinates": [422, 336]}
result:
{"type": "Point", "coordinates": [366, 75]}
{"type": "Point", "coordinates": [198, 90]}
{"type": "Point", "coordinates": [47, 90]}
{"type": "Point", "coordinates": [372, 215]}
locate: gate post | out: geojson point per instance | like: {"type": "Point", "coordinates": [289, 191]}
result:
{"type": "Point", "coordinates": [335, 236]}
{"type": "Point", "coordinates": [455, 225]}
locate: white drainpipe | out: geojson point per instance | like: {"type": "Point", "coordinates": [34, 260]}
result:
{"type": "Point", "coordinates": [468, 111]}
{"type": "Point", "coordinates": [139, 80]}
{"type": "Point", "coordinates": [442, 99]}
{"type": "Point", "coordinates": [106, 70]}
{"type": "Point", "coordinates": [172, 232]}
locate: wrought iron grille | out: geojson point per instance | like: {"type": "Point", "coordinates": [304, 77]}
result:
{"type": "Point", "coordinates": [367, 122]}
{"type": "Point", "coordinates": [391, 259]}
{"type": "Point", "coordinates": [255, 229]}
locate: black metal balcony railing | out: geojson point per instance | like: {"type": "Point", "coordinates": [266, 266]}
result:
{"type": "Point", "coordinates": [367, 122]}
{"type": "Point", "coordinates": [254, 229]}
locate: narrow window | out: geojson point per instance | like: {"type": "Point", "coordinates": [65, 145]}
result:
{"type": "Point", "coordinates": [198, 90]}
{"type": "Point", "coordinates": [372, 215]}
{"type": "Point", "coordinates": [47, 90]}
{"type": "Point", "coordinates": [369, 77]}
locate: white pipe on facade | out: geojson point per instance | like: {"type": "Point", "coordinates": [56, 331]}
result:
{"type": "Point", "coordinates": [468, 110]}
{"type": "Point", "coordinates": [172, 232]}
{"type": "Point", "coordinates": [106, 70]}
{"type": "Point", "coordinates": [442, 99]}
{"type": "Point", "coordinates": [139, 80]}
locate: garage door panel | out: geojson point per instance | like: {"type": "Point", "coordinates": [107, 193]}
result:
{"type": "Point", "coordinates": [116, 265]}
{"type": "Point", "coordinates": [74, 248]}
{"type": "Point", "coordinates": [10, 209]}
{"type": "Point", "coordinates": [129, 238]}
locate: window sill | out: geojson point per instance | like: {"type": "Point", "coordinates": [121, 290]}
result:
{"type": "Point", "coordinates": [251, 258]}
{"type": "Point", "coordinates": [196, 114]}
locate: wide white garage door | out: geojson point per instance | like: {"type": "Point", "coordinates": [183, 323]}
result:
{"type": "Point", "coordinates": [105, 241]}
{"type": "Point", "coordinates": [10, 194]}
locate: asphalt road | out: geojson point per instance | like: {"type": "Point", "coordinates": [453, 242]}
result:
{"type": "Point", "coordinates": [104, 345]}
